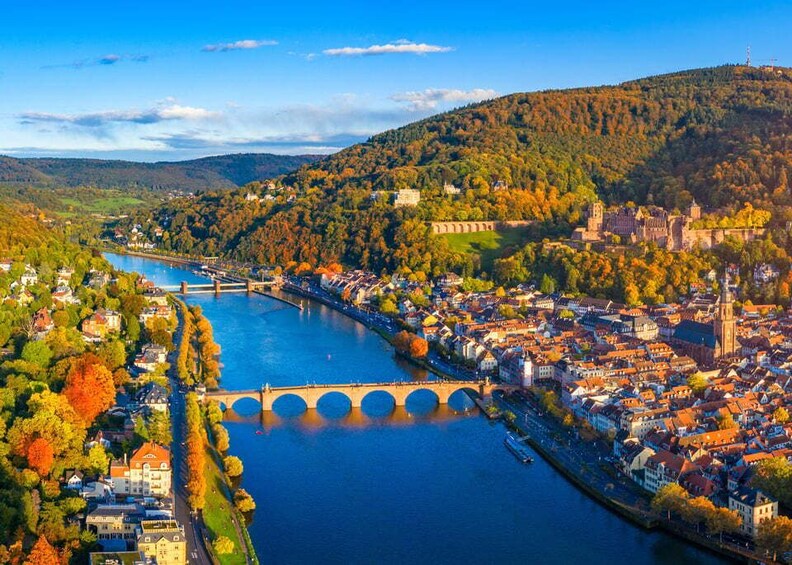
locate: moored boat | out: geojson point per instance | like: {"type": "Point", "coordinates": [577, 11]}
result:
{"type": "Point", "coordinates": [517, 447]}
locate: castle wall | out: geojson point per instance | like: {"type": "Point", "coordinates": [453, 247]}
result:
{"type": "Point", "coordinates": [709, 238]}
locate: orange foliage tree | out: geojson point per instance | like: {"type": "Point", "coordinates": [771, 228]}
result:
{"type": "Point", "coordinates": [43, 553]}
{"type": "Point", "coordinates": [410, 344]}
{"type": "Point", "coordinates": [40, 456]}
{"type": "Point", "coordinates": [418, 347]}
{"type": "Point", "coordinates": [89, 387]}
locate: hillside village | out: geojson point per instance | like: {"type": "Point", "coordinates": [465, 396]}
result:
{"type": "Point", "coordinates": [127, 485]}
{"type": "Point", "coordinates": [692, 393]}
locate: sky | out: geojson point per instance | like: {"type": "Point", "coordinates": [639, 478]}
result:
{"type": "Point", "coordinates": [168, 80]}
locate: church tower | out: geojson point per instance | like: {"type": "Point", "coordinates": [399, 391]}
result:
{"type": "Point", "coordinates": [725, 325]}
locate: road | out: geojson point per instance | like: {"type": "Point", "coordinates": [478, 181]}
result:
{"type": "Point", "coordinates": [585, 459]}
{"type": "Point", "coordinates": [196, 550]}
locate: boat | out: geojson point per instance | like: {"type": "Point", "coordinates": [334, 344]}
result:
{"type": "Point", "coordinates": [517, 447]}
{"type": "Point", "coordinates": [259, 433]}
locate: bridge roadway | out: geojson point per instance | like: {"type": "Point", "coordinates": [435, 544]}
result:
{"type": "Point", "coordinates": [355, 392]}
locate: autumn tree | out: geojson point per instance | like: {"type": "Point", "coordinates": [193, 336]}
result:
{"type": "Point", "coordinates": [775, 535]}
{"type": "Point", "coordinates": [670, 498]}
{"type": "Point", "coordinates": [221, 440]}
{"type": "Point", "coordinates": [244, 501]}
{"type": "Point", "coordinates": [42, 553]}
{"type": "Point", "coordinates": [721, 520]}
{"type": "Point", "coordinates": [89, 387]}
{"type": "Point", "coordinates": [223, 546]}
{"type": "Point", "coordinates": [418, 347]}
{"type": "Point", "coordinates": [40, 456]}
{"type": "Point", "coordinates": [233, 466]}
{"type": "Point", "coordinates": [781, 415]}
{"type": "Point", "coordinates": [401, 341]}
{"type": "Point", "coordinates": [726, 422]}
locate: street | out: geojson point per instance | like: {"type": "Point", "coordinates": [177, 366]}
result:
{"type": "Point", "coordinates": [196, 550]}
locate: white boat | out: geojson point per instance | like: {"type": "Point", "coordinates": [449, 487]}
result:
{"type": "Point", "coordinates": [518, 448]}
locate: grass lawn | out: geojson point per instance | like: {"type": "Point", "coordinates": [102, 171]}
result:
{"type": "Point", "coordinates": [489, 245]}
{"type": "Point", "coordinates": [219, 511]}
{"type": "Point", "coordinates": [103, 205]}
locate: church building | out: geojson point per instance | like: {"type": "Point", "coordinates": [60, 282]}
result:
{"type": "Point", "coordinates": [708, 343]}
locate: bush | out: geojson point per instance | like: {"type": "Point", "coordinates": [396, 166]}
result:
{"type": "Point", "coordinates": [223, 546]}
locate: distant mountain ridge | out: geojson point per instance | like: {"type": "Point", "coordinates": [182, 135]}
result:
{"type": "Point", "coordinates": [208, 173]}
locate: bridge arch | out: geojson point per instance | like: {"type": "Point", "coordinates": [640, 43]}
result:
{"type": "Point", "coordinates": [289, 403]}
{"type": "Point", "coordinates": [332, 399]}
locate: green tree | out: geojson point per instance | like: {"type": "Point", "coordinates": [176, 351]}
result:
{"type": "Point", "coordinates": [774, 476]}
{"type": "Point", "coordinates": [697, 383]}
{"type": "Point", "coordinates": [547, 285]}
{"type": "Point", "coordinates": [98, 460]}
{"type": "Point", "coordinates": [38, 353]}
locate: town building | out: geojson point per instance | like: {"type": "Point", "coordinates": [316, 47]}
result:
{"type": "Point", "coordinates": [407, 197]}
{"type": "Point", "coordinates": [119, 558]}
{"type": "Point", "coordinates": [708, 343]}
{"type": "Point", "coordinates": [164, 541]}
{"type": "Point", "coordinates": [147, 473]}
{"type": "Point", "coordinates": [117, 522]}
{"type": "Point", "coordinates": [754, 507]}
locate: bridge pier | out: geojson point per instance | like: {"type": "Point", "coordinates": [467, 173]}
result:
{"type": "Point", "coordinates": [184, 287]}
{"type": "Point", "coordinates": [216, 287]}
{"type": "Point", "coordinates": [355, 392]}
{"type": "Point", "coordinates": [249, 286]}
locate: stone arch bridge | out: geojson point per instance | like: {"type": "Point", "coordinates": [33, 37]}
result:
{"type": "Point", "coordinates": [355, 392]}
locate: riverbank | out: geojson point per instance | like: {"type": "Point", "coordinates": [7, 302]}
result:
{"type": "Point", "coordinates": [643, 518]}
{"type": "Point", "coordinates": [176, 260]}
{"type": "Point", "coordinates": [583, 467]}
{"type": "Point", "coordinates": [218, 517]}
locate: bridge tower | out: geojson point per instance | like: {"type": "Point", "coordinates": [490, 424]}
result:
{"type": "Point", "coordinates": [217, 286]}
{"type": "Point", "coordinates": [184, 287]}
{"type": "Point", "coordinates": [249, 285]}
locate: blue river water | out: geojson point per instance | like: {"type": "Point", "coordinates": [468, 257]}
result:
{"type": "Point", "coordinates": [378, 485]}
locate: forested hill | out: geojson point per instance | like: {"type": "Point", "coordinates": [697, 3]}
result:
{"type": "Point", "coordinates": [209, 173]}
{"type": "Point", "coordinates": [715, 134]}
{"type": "Point", "coordinates": [721, 135]}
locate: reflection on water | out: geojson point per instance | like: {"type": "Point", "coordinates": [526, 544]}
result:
{"type": "Point", "coordinates": [314, 419]}
{"type": "Point", "coordinates": [389, 485]}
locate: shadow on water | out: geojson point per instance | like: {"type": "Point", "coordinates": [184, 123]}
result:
{"type": "Point", "coordinates": [355, 418]}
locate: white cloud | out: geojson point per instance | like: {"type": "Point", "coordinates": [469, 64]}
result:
{"type": "Point", "coordinates": [400, 46]}
{"type": "Point", "coordinates": [429, 99]}
{"type": "Point", "coordinates": [101, 119]}
{"type": "Point", "coordinates": [238, 45]}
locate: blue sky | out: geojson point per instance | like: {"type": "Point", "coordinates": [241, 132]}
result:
{"type": "Point", "coordinates": [176, 80]}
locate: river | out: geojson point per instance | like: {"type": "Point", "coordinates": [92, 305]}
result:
{"type": "Point", "coordinates": [376, 485]}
